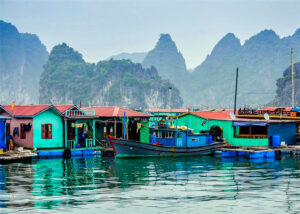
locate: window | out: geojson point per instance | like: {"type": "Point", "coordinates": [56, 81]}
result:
{"type": "Point", "coordinates": [7, 129]}
{"type": "Point", "coordinates": [251, 132]}
{"type": "Point", "coordinates": [22, 129]}
{"type": "Point", "coordinates": [47, 131]}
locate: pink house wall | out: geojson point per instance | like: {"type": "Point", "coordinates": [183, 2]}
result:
{"type": "Point", "coordinates": [14, 122]}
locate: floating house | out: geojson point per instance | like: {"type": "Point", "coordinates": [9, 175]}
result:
{"type": "Point", "coordinates": [204, 120]}
{"type": "Point", "coordinates": [78, 126]}
{"type": "Point", "coordinates": [34, 126]}
{"type": "Point", "coordinates": [166, 112]}
{"type": "Point", "coordinates": [243, 131]}
{"type": "Point", "coordinates": [3, 127]}
{"type": "Point", "coordinates": [110, 121]}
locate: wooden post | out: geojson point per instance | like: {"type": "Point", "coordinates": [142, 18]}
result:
{"type": "Point", "coordinates": [124, 126]}
{"type": "Point", "coordinates": [115, 128]}
{"type": "Point", "coordinates": [76, 134]}
{"type": "Point", "coordinates": [126, 130]}
{"type": "Point", "coordinates": [94, 132]}
{"type": "Point", "coordinates": [66, 133]}
{"type": "Point", "coordinates": [250, 131]}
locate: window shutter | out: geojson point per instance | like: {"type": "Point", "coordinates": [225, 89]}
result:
{"type": "Point", "coordinates": [22, 131]}
{"type": "Point", "coordinates": [50, 131]}
{"type": "Point", "coordinates": [43, 132]}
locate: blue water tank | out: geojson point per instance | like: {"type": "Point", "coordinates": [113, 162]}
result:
{"type": "Point", "coordinates": [210, 139]}
{"type": "Point", "coordinates": [276, 140]}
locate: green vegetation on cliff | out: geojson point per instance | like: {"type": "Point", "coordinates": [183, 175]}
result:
{"type": "Point", "coordinates": [67, 78]}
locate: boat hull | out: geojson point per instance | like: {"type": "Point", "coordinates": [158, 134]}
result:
{"type": "Point", "coordinates": [127, 148]}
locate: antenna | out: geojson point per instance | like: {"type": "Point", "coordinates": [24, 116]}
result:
{"type": "Point", "coordinates": [170, 98]}
{"type": "Point", "coordinates": [293, 89]}
{"type": "Point", "coordinates": [266, 116]}
{"type": "Point", "coordinates": [236, 85]}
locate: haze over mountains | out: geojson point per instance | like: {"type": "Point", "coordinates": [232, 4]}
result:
{"type": "Point", "coordinates": [261, 60]}
{"type": "Point", "coordinates": [68, 78]}
{"type": "Point", "coordinates": [22, 56]}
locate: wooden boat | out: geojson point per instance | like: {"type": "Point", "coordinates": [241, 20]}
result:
{"type": "Point", "coordinates": [167, 143]}
{"type": "Point", "coordinates": [128, 148]}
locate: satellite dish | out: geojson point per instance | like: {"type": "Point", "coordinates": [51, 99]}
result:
{"type": "Point", "coordinates": [266, 116]}
{"type": "Point", "coordinates": [232, 116]}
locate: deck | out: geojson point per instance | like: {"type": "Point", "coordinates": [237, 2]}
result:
{"type": "Point", "coordinates": [260, 151]}
{"type": "Point", "coordinates": [12, 156]}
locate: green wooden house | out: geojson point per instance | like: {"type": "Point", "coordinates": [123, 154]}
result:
{"type": "Point", "coordinates": [241, 131]}
{"type": "Point", "coordinates": [201, 121]}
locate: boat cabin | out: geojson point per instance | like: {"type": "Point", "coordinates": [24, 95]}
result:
{"type": "Point", "coordinates": [178, 138]}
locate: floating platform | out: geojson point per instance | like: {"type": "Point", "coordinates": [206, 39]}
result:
{"type": "Point", "coordinates": [259, 152]}
{"type": "Point", "coordinates": [45, 153]}
{"type": "Point", "coordinates": [107, 152]}
{"type": "Point", "coordinates": [15, 156]}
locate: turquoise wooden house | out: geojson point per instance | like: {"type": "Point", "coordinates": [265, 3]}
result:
{"type": "Point", "coordinates": [78, 127]}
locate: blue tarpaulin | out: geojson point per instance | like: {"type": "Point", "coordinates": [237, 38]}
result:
{"type": "Point", "coordinates": [2, 134]}
{"type": "Point", "coordinates": [296, 109]}
{"type": "Point", "coordinates": [236, 123]}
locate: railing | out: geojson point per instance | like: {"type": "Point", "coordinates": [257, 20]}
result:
{"type": "Point", "coordinates": [70, 144]}
{"type": "Point", "coordinates": [80, 113]}
{"type": "Point", "coordinates": [89, 143]}
{"type": "Point", "coordinates": [250, 136]}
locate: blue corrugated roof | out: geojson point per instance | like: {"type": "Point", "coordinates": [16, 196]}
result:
{"type": "Point", "coordinates": [4, 118]}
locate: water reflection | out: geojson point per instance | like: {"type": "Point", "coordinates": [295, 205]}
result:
{"type": "Point", "coordinates": [151, 184]}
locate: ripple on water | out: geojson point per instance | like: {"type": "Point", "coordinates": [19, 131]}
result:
{"type": "Point", "coordinates": [149, 185]}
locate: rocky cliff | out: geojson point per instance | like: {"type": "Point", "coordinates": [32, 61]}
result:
{"type": "Point", "coordinates": [22, 56]}
{"type": "Point", "coordinates": [166, 58]}
{"type": "Point", "coordinates": [284, 87]}
{"type": "Point", "coordinates": [67, 78]}
{"type": "Point", "coordinates": [260, 60]}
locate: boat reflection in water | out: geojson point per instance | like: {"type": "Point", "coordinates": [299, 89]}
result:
{"type": "Point", "coordinates": [185, 184]}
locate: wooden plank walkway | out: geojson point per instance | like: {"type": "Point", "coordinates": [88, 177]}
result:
{"type": "Point", "coordinates": [16, 156]}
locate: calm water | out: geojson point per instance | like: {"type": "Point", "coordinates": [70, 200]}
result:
{"type": "Point", "coordinates": [156, 185]}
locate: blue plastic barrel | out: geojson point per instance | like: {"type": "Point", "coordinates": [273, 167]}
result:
{"type": "Point", "coordinates": [210, 139]}
{"type": "Point", "coordinates": [276, 140]}
{"type": "Point", "coordinates": [152, 139]}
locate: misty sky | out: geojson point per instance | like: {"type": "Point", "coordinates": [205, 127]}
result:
{"type": "Point", "coordinates": [99, 29]}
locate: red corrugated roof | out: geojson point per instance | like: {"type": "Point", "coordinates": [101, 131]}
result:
{"type": "Point", "coordinates": [26, 110]}
{"type": "Point", "coordinates": [179, 110]}
{"type": "Point", "coordinates": [63, 108]}
{"type": "Point", "coordinates": [113, 111]}
{"type": "Point", "coordinates": [220, 115]}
